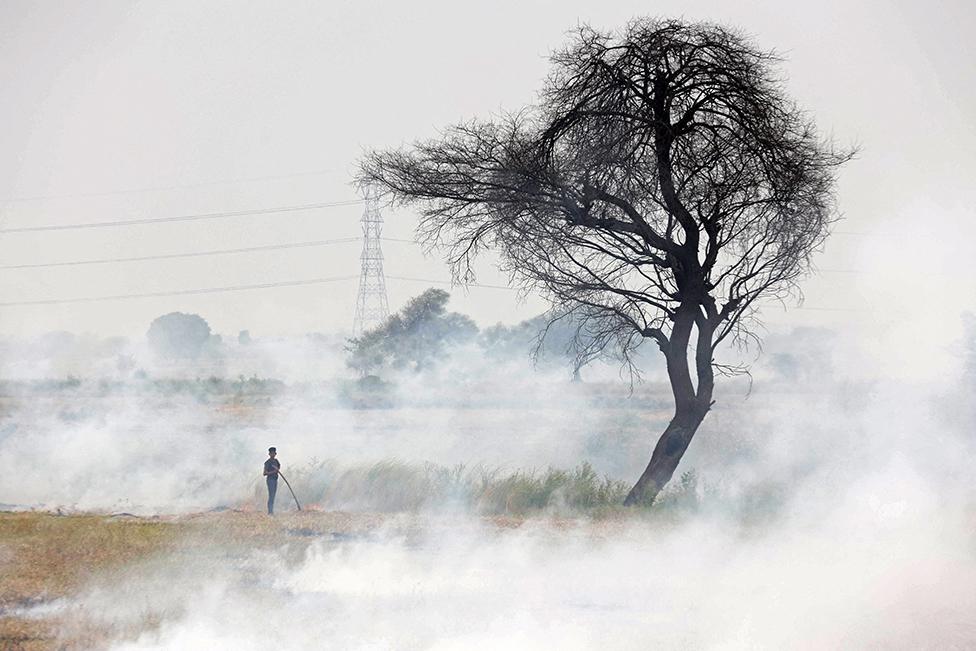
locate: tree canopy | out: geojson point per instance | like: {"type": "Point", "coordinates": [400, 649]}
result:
{"type": "Point", "coordinates": [662, 187]}
{"type": "Point", "coordinates": [412, 338]}
{"type": "Point", "coordinates": [178, 335]}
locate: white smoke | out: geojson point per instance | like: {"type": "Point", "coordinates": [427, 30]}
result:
{"type": "Point", "coordinates": [834, 513]}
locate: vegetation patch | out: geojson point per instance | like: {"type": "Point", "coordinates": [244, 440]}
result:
{"type": "Point", "coordinates": [393, 486]}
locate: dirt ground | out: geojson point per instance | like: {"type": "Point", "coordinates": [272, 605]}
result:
{"type": "Point", "coordinates": [47, 557]}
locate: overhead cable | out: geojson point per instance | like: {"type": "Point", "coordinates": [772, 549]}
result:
{"type": "Point", "coordinates": [447, 282]}
{"type": "Point", "coordinates": [193, 254]}
{"type": "Point", "coordinates": [163, 188]}
{"type": "Point", "coordinates": [180, 218]}
{"type": "Point", "coordinates": [182, 292]}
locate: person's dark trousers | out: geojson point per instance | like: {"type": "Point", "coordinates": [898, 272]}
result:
{"type": "Point", "coordinates": [272, 489]}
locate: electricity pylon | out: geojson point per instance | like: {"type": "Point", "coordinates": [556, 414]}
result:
{"type": "Point", "coordinates": [371, 305]}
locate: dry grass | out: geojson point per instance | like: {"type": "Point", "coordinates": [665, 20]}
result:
{"type": "Point", "coordinates": [45, 557]}
{"type": "Point", "coordinates": [394, 486]}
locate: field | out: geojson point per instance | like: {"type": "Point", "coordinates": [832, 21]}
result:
{"type": "Point", "coordinates": [47, 557]}
{"type": "Point", "coordinates": [50, 559]}
{"type": "Point", "coordinates": [801, 518]}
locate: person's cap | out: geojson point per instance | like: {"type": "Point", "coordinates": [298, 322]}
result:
{"type": "Point", "coordinates": [272, 449]}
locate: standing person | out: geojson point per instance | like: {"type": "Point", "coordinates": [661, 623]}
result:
{"type": "Point", "coordinates": [271, 468]}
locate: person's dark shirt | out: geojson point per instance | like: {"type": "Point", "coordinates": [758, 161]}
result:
{"type": "Point", "coordinates": [271, 467]}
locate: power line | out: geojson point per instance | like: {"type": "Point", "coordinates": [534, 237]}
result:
{"type": "Point", "coordinates": [182, 292]}
{"type": "Point", "coordinates": [826, 309]}
{"type": "Point", "coordinates": [181, 218]}
{"type": "Point", "coordinates": [163, 188]}
{"type": "Point", "coordinates": [447, 282]}
{"type": "Point", "coordinates": [444, 282]}
{"type": "Point", "coordinates": [195, 254]}
{"type": "Point", "coordinates": [297, 283]}
{"type": "Point", "coordinates": [270, 247]}
{"type": "Point", "coordinates": [192, 254]}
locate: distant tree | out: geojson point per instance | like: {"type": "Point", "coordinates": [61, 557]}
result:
{"type": "Point", "coordinates": [661, 189]}
{"type": "Point", "coordinates": [244, 337]}
{"type": "Point", "coordinates": [515, 340]}
{"type": "Point", "coordinates": [801, 355]}
{"type": "Point", "coordinates": [178, 336]}
{"type": "Point", "coordinates": [412, 338]}
{"type": "Point", "coordinates": [550, 343]}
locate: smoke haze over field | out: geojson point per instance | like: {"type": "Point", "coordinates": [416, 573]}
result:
{"type": "Point", "coordinates": [823, 519]}
{"type": "Point", "coordinates": [900, 582]}
{"type": "Point", "coordinates": [865, 540]}
{"type": "Point", "coordinates": [829, 501]}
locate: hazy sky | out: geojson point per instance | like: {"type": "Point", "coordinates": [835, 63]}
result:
{"type": "Point", "coordinates": [116, 111]}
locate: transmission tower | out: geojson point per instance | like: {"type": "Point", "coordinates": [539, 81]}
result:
{"type": "Point", "coordinates": [371, 306]}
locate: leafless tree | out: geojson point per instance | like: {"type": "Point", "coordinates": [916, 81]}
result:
{"type": "Point", "coordinates": [660, 189]}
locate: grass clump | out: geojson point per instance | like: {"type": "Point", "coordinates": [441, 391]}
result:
{"type": "Point", "coordinates": [397, 486]}
{"type": "Point", "coordinates": [572, 491]}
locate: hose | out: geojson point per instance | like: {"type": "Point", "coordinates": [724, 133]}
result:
{"type": "Point", "coordinates": [290, 490]}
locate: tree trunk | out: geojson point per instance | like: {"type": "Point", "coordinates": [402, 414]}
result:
{"type": "Point", "coordinates": [667, 454]}
{"type": "Point", "coordinates": [690, 406]}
